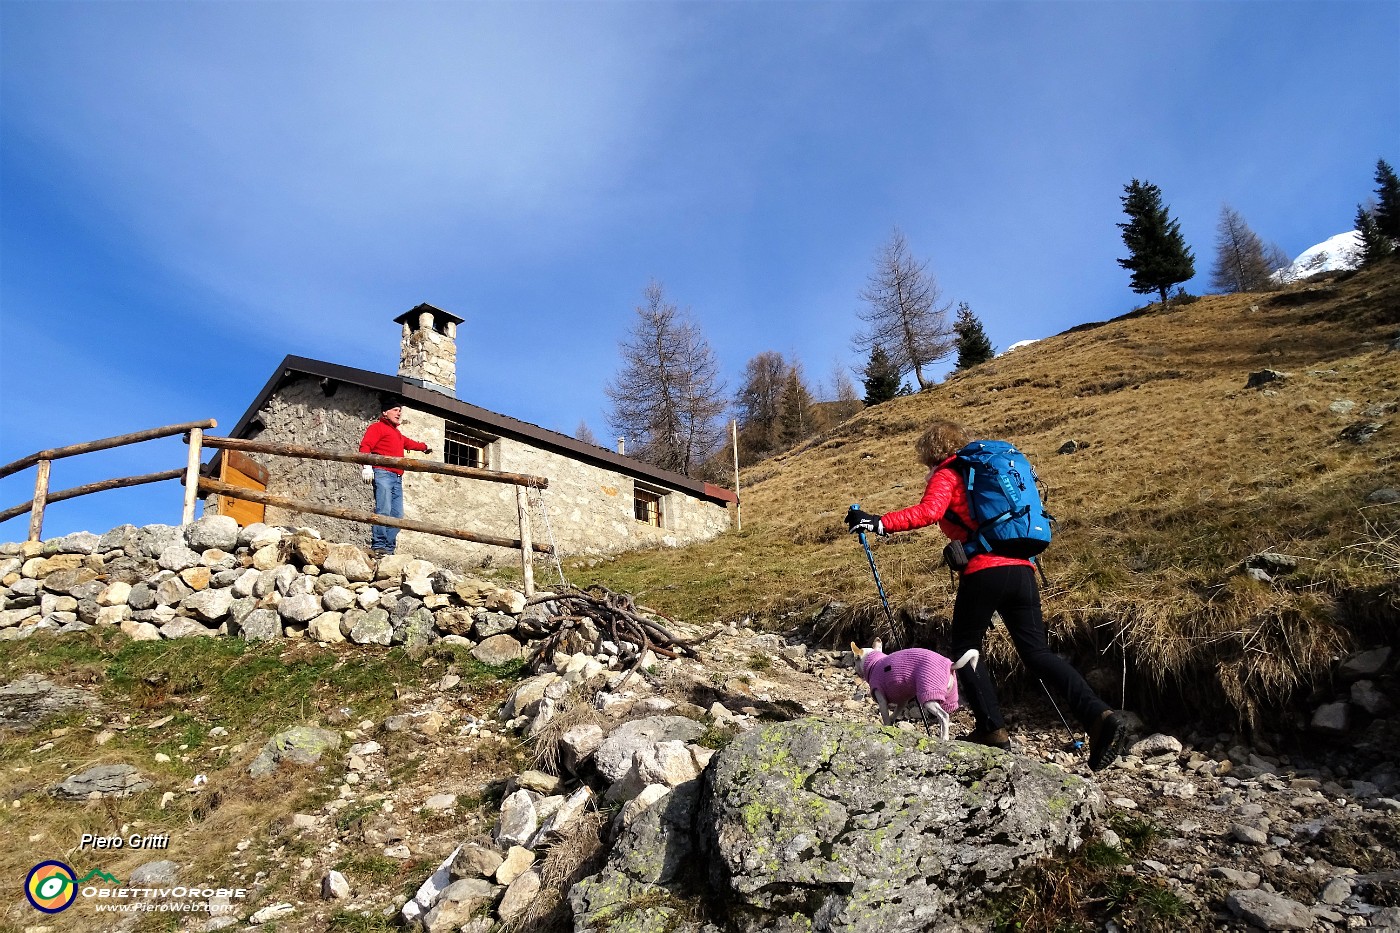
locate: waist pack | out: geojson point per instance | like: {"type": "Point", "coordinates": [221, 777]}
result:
{"type": "Point", "coordinates": [1010, 519]}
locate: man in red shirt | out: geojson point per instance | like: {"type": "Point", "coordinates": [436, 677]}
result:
{"type": "Point", "coordinates": [384, 438]}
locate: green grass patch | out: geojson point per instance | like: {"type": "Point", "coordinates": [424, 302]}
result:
{"type": "Point", "coordinates": [1080, 891]}
{"type": "Point", "coordinates": [370, 867]}
{"type": "Point", "coordinates": [345, 921]}
{"type": "Point", "coordinates": [236, 684]}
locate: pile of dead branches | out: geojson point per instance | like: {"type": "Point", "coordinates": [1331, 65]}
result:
{"type": "Point", "coordinates": [634, 629]}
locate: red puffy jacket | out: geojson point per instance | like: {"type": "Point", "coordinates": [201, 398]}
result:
{"type": "Point", "coordinates": [946, 490]}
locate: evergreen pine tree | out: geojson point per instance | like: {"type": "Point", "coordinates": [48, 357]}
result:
{"type": "Point", "coordinates": [1387, 212]}
{"type": "Point", "coordinates": [1159, 256]}
{"type": "Point", "coordinates": [973, 346]}
{"type": "Point", "coordinates": [881, 377]}
{"type": "Point", "coordinates": [1374, 244]}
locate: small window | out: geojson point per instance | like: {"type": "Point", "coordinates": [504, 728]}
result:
{"type": "Point", "coordinates": [646, 506]}
{"type": "Point", "coordinates": [465, 448]}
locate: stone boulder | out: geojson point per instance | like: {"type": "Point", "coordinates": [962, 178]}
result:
{"type": "Point", "coordinates": [862, 828]}
{"type": "Point", "coordinates": [260, 625]}
{"type": "Point", "coordinates": [212, 531]}
{"type": "Point", "coordinates": [29, 700]}
{"type": "Point", "coordinates": [613, 757]}
{"type": "Point", "coordinates": [102, 781]}
{"type": "Point", "coordinates": [652, 862]}
{"type": "Point", "coordinates": [303, 745]}
{"type": "Point", "coordinates": [350, 562]}
{"type": "Point", "coordinates": [498, 649]}
{"type": "Point", "coordinates": [370, 628]}
{"type": "Point", "coordinates": [1270, 911]}
{"type": "Point", "coordinates": [306, 549]}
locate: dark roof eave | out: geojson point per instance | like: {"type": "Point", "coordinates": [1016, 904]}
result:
{"type": "Point", "coordinates": [436, 402]}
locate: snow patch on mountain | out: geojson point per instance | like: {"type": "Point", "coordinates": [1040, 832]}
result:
{"type": "Point", "coordinates": [1334, 254]}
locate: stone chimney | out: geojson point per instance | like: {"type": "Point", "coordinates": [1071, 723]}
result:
{"type": "Point", "coordinates": [428, 350]}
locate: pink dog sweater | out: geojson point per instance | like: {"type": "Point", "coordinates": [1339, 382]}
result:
{"type": "Point", "coordinates": [910, 673]}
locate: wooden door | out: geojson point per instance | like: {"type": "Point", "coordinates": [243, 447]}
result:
{"type": "Point", "coordinates": [239, 469]}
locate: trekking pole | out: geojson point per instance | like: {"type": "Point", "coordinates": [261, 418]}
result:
{"type": "Point", "coordinates": [1076, 744]}
{"type": "Point", "coordinates": [878, 585]}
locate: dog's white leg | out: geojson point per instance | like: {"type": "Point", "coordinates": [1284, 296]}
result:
{"type": "Point", "coordinates": [886, 715]}
{"type": "Point", "coordinates": [932, 707]}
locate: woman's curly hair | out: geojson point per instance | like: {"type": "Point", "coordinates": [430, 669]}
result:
{"type": "Point", "coordinates": [940, 441]}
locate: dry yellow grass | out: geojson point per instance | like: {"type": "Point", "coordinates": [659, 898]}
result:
{"type": "Point", "coordinates": [1183, 474]}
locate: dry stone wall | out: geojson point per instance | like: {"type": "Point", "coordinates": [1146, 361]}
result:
{"type": "Point", "coordinates": [585, 509]}
{"type": "Point", "coordinates": [211, 578]}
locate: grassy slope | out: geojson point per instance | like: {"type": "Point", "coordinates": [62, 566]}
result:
{"type": "Point", "coordinates": [1185, 474]}
{"type": "Point", "coordinates": [167, 697]}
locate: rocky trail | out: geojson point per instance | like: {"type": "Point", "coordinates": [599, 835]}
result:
{"type": "Point", "coordinates": [591, 794]}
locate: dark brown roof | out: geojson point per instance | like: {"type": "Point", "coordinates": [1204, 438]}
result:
{"type": "Point", "coordinates": [470, 415]}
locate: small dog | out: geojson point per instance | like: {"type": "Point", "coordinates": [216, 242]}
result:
{"type": "Point", "coordinates": [912, 674]}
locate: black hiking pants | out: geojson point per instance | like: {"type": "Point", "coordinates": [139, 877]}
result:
{"type": "Point", "coordinates": [1012, 593]}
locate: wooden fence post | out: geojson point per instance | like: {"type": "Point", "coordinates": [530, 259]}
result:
{"type": "Point", "coordinates": [527, 566]}
{"type": "Point", "coordinates": [192, 475]}
{"type": "Point", "coordinates": [41, 495]}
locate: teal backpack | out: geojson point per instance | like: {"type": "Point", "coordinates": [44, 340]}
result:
{"type": "Point", "coordinates": [1009, 516]}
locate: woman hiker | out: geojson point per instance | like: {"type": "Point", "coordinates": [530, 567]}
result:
{"type": "Point", "coordinates": [993, 584]}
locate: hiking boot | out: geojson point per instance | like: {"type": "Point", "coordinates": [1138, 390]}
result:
{"type": "Point", "coordinates": [996, 738]}
{"type": "Point", "coordinates": [1106, 740]}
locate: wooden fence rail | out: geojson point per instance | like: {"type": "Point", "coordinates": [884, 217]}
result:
{"type": "Point", "coordinates": [315, 508]}
{"type": "Point", "coordinates": [44, 459]}
{"type": "Point", "coordinates": [398, 463]}
{"type": "Point", "coordinates": [58, 453]}
{"type": "Point", "coordinates": [94, 487]}
{"type": "Point", "coordinates": [525, 543]}
{"type": "Point", "coordinates": [195, 484]}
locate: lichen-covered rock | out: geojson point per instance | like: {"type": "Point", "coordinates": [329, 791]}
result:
{"type": "Point", "coordinates": [652, 862]}
{"type": "Point", "coordinates": [369, 627]}
{"type": "Point", "coordinates": [302, 745]}
{"type": "Point", "coordinates": [260, 625]}
{"type": "Point", "coordinates": [862, 828]}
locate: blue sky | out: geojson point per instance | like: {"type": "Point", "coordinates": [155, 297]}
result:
{"type": "Point", "coordinates": [191, 191]}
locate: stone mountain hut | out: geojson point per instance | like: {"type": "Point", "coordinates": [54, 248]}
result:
{"type": "Point", "coordinates": [597, 501]}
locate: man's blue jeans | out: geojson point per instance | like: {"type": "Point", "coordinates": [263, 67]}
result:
{"type": "Point", "coordinates": [388, 500]}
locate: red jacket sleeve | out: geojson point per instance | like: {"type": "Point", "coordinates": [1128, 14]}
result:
{"type": "Point", "coordinates": [938, 495]}
{"type": "Point", "coordinates": [410, 444]}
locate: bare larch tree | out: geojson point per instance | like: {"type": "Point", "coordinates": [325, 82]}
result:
{"type": "Point", "coordinates": [902, 311]}
{"type": "Point", "coordinates": [667, 397]}
{"type": "Point", "coordinates": [759, 405]}
{"type": "Point", "coordinates": [1242, 262]}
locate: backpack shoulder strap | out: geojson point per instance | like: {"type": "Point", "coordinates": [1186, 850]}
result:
{"type": "Point", "coordinates": [959, 468]}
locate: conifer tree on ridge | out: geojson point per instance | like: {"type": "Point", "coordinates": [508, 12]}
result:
{"type": "Point", "coordinates": [881, 377]}
{"type": "Point", "coordinates": [1159, 256]}
{"type": "Point", "coordinates": [974, 347]}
